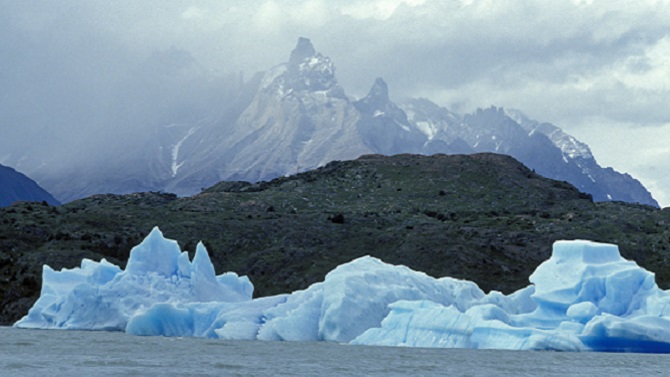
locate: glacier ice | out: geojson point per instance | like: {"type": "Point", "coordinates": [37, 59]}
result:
{"type": "Point", "coordinates": [586, 297]}
{"type": "Point", "coordinates": [100, 296]}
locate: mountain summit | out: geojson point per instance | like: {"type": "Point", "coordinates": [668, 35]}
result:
{"type": "Point", "coordinates": [299, 118]}
{"type": "Point", "coordinates": [377, 99]}
{"type": "Point", "coordinates": [306, 70]}
{"type": "Point", "coordinates": [295, 117]}
{"type": "Point", "coordinates": [384, 126]}
{"type": "Point", "coordinates": [303, 50]}
{"type": "Point", "coordinates": [379, 91]}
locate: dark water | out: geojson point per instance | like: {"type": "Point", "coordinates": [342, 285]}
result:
{"type": "Point", "coordinates": [49, 352]}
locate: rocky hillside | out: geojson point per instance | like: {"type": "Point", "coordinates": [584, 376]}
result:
{"type": "Point", "coordinates": [15, 186]}
{"type": "Point", "coordinates": [483, 217]}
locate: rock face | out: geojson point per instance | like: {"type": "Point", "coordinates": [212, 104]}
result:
{"type": "Point", "coordinates": [296, 117]}
{"type": "Point", "coordinates": [384, 126]}
{"type": "Point", "coordinates": [15, 187]}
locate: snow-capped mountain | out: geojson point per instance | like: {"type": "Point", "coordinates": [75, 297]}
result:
{"type": "Point", "coordinates": [296, 117]}
{"type": "Point", "coordinates": [383, 126]}
{"type": "Point", "coordinates": [299, 118]}
{"type": "Point", "coordinates": [439, 126]}
{"type": "Point", "coordinates": [15, 186]}
{"type": "Point", "coordinates": [604, 184]}
{"type": "Point", "coordinates": [569, 146]}
{"type": "Point", "coordinates": [541, 146]}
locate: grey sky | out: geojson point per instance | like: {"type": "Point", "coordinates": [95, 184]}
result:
{"type": "Point", "coordinates": [598, 69]}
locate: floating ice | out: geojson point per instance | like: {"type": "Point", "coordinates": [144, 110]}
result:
{"type": "Point", "coordinates": [355, 297]}
{"type": "Point", "coordinates": [100, 296]}
{"type": "Point", "coordinates": [585, 297]}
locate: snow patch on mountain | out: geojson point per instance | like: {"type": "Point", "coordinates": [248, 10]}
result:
{"type": "Point", "coordinates": [568, 144]}
{"type": "Point", "coordinates": [427, 129]}
{"type": "Point", "coordinates": [296, 117]}
{"type": "Point", "coordinates": [175, 151]}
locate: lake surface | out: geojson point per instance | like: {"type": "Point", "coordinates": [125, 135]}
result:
{"type": "Point", "coordinates": [57, 352]}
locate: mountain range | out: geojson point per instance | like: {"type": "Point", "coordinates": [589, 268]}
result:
{"type": "Point", "coordinates": [295, 117]}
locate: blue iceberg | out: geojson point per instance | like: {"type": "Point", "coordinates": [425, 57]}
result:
{"type": "Point", "coordinates": [586, 297]}
{"type": "Point", "coordinates": [100, 296]}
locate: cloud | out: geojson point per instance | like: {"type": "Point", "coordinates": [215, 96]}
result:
{"type": "Point", "coordinates": [193, 13]}
{"type": "Point", "coordinates": [379, 9]}
{"type": "Point", "coordinates": [564, 62]}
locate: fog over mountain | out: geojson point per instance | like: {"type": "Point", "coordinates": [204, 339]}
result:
{"type": "Point", "coordinates": [83, 82]}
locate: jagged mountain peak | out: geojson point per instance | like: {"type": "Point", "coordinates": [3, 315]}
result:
{"type": "Point", "coordinates": [492, 119]}
{"type": "Point", "coordinates": [377, 98]}
{"type": "Point", "coordinates": [303, 50]}
{"type": "Point", "coordinates": [384, 126]}
{"type": "Point", "coordinates": [429, 117]}
{"type": "Point", "coordinates": [306, 70]}
{"type": "Point", "coordinates": [379, 90]}
{"type": "Point", "coordinates": [491, 111]}
{"type": "Point", "coordinates": [423, 109]}
{"type": "Point", "coordinates": [297, 117]}
{"type": "Point", "coordinates": [569, 145]}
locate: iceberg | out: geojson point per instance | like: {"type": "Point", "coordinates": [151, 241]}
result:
{"type": "Point", "coordinates": [585, 297]}
{"type": "Point", "coordinates": [100, 296]}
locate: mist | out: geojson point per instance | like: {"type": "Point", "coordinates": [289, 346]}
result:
{"type": "Point", "coordinates": [84, 81]}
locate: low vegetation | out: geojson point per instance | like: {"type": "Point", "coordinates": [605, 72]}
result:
{"type": "Point", "coordinates": [483, 217]}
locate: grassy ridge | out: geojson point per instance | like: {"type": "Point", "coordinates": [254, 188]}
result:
{"type": "Point", "coordinates": [483, 217]}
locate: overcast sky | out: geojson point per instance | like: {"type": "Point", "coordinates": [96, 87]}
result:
{"type": "Point", "coordinates": [598, 69]}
